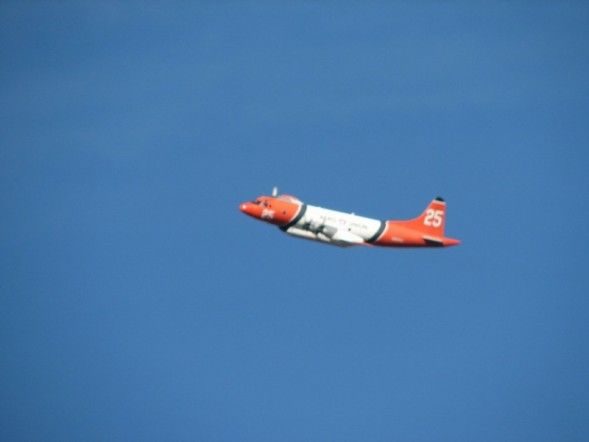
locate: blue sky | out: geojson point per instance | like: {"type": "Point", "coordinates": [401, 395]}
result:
{"type": "Point", "coordinates": [137, 303]}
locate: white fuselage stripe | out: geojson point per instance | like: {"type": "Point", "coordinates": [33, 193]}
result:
{"type": "Point", "coordinates": [360, 226]}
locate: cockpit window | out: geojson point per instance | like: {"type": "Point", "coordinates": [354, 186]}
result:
{"type": "Point", "coordinates": [259, 202]}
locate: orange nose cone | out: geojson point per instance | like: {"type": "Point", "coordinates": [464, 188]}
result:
{"type": "Point", "coordinates": [249, 209]}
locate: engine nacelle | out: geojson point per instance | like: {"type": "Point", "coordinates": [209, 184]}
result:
{"type": "Point", "coordinates": [337, 237]}
{"type": "Point", "coordinates": [302, 233]}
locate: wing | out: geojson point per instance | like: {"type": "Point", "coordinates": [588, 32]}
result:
{"type": "Point", "coordinates": [345, 239]}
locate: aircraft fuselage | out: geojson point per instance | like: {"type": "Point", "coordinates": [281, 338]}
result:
{"type": "Point", "coordinates": [343, 229]}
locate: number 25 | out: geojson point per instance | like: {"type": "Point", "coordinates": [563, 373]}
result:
{"type": "Point", "coordinates": [433, 218]}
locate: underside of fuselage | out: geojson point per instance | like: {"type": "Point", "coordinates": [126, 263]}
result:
{"type": "Point", "coordinates": [322, 237]}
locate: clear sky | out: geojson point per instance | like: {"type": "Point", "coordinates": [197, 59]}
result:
{"type": "Point", "coordinates": [138, 303]}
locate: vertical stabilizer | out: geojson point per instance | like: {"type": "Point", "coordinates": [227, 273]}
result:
{"type": "Point", "coordinates": [432, 220]}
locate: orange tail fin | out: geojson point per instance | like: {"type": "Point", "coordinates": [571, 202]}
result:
{"type": "Point", "coordinates": [432, 220]}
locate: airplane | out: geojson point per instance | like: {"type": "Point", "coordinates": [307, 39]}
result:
{"type": "Point", "coordinates": [342, 229]}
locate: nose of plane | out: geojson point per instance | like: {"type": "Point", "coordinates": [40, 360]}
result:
{"type": "Point", "coordinates": [248, 209]}
{"type": "Point", "coordinates": [243, 207]}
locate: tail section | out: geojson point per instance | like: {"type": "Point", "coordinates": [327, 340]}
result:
{"type": "Point", "coordinates": [433, 219]}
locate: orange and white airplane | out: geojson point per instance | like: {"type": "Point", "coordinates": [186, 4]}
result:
{"type": "Point", "coordinates": [347, 229]}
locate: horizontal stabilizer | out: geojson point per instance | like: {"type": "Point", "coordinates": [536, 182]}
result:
{"type": "Point", "coordinates": [435, 242]}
